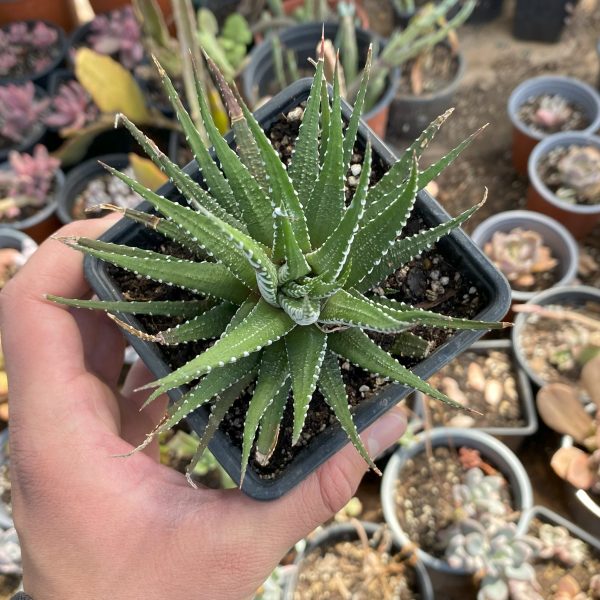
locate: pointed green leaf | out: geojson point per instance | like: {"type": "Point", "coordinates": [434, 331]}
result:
{"type": "Point", "coordinates": [386, 189]}
{"type": "Point", "coordinates": [295, 265]}
{"type": "Point", "coordinates": [417, 316]}
{"type": "Point", "coordinates": [344, 308]}
{"type": "Point", "coordinates": [409, 344]}
{"type": "Point", "coordinates": [360, 349]}
{"type": "Point", "coordinates": [208, 325]}
{"type": "Point", "coordinates": [193, 193]}
{"type": "Point", "coordinates": [325, 119]}
{"type": "Point", "coordinates": [169, 308]}
{"type": "Point", "coordinates": [217, 185]}
{"type": "Point", "coordinates": [333, 389]}
{"type": "Point", "coordinates": [404, 250]}
{"type": "Point", "coordinates": [331, 256]}
{"type": "Point", "coordinates": [325, 205]}
{"type": "Point", "coordinates": [263, 326]}
{"type": "Point", "coordinates": [359, 103]}
{"type": "Point", "coordinates": [373, 240]}
{"type": "Point", "coordinates": [270, 425]}
{"type": "Point", "coordinates": [303, 311]}
{"type": "Point", "coordinates": [211, 279]}
{"type": "Point", "coordinates": [304, 168]}
{"type": "Point", "coordinates": [255, 206]}
{"type": "Point", "coordinates": [305, 350]}
{"type": "Point", "coordinates": [281, 186]}
{"type": "Point", "coordinates": [272, 376]}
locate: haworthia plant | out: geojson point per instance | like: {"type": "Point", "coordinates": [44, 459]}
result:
{"type": "Point", "coordinates": [279, 260]}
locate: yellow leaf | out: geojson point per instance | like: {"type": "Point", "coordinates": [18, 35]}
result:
{"type": "Point", "coordinates": [111, 86]}
{"type": "Point", "coordinates": [219, 114]}
{"type": "Point", "coordinates": [146, 172]}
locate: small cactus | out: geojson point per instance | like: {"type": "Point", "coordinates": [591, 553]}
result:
{"type": "Point", "coordinates": [20, 111]}
{"type": "Point", "coordinates": [520, 255]}
{"type": "Point", "coordinates": [579, 173]}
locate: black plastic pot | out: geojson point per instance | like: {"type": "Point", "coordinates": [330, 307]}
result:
{"type": "Point", "coordinates": [346, 532]}
{"type": "Point", "coordinates": [220, 8]}
{"type": "Point", "coordinates": [540, 20]}
{"type": "Point", "coordinates": [457, 246]}
{"type": "Point", "coordinates": [303, 39]}
{"type": "Point", "coordinates": [485, 11]}
{"type": "Point", "coordinates": [79, 178]}
{"type": "Point", "coordinates": [42, 78]}
{"type": "Point", "coordinates": [573, 295]}
{"type": "Point", "coordinates": [548, 516]}
{"type": "Point", "coordinates": [44, 222]}
{"type": "Point", "coordinates": [410, 115]}
{"type": "Point", "coordinates": [449, 582]}
{"type": "Point", "coordinates": [513, 437]}
{"type": "Point", "coordinates": [35, 136]}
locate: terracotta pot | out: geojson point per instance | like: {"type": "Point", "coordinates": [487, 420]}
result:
{"type": "Point", "coordinates": [526, 139]}
{"type": "Point", "coordinates": [57, 11]}
{"type": "Point", "coordinates": [579, 219]}
{"type": "Point", "coordinates": [289, 6]}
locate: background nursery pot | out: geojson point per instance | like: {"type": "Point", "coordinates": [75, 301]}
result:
{"type": "Point", "coordinates": [346, 532]}
{"type": "Point", "coordinates": [411, 114]}
{"type": "Point", "coordinates": [525, 139]}
{"type": "Point", "coordinates": [554, 235]}
{"type": "Point", "coordinates": [45, 221]}
{"type": "Point", "coordinates": [572, 295]}
{"type": "Point", "coordinates": [513, 437]}
{"type": "Point", "coordinates": [540, 20]}
{"type": "Point", "coordinates": [79, 177]}
{"type": "Point", "coordinates": [465, 256]}
{"type": "Point", "coordinates": [303, 39]}
{"type": "Point", "coordinates": [289, 6]}
{"type": "Point", "coordinates": [442, 575]}
{"type": "Point", "coordinates": [579, 219]}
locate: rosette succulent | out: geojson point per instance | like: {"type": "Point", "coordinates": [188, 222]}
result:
{"type": "Point", "coordinates": [283, 266]}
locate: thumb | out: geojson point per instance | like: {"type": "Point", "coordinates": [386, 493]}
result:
{"type": "Point", "coordinates": [323, 493]}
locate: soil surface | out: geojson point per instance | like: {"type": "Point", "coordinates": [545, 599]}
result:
{"type": "Point", "coordinates": [484, 381]}
{"type": "Point", "coordinates": [358, 571]}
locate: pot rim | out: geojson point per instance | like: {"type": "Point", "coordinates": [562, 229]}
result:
{"type": "Point", "coordinates": [544, 298]}
{"type": "Point", "coordinates": [485, 230]}
{"type": "Point", "coordinates": [515, 102]}
{"type": "Point", "coordinates": [458, 437]}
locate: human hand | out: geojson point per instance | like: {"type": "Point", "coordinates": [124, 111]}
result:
{"type": "Point", "coordinates": [99, 527]}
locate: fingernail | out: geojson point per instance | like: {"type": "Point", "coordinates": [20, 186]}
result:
{"type": "Point", "coordinates": [386, 431]}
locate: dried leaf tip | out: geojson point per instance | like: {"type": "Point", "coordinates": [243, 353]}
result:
{"type": "Point", "coordinates": [233, 107]}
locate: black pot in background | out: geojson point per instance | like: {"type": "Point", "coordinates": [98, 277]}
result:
{"type": "Point", "coordinates": [304, 39]}
{"type": "Point", "coordinates": [42, 78]}
{"type": "Point", "coordinates": [410, 115]}
{"type": "Point", "coordinates": [513, 437]}
{"type": "Point", "coordinates": [35, 137]}
{"type": "Point", "coordinates": [464, 255]}
{"type": "Point", "coordinates": [347, 532]}
{"type": "Point", "coordinates": [79, 178]}
{"type": "Point", "coordinates": [484, 12]}
{"type": "Point", "coordinates": [540, 20]}
{"type": "Point", "coordinates": [220, 8]}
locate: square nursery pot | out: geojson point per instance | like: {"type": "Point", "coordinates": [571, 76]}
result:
{"type": "Point", "coordinates": [463, 253]}
{"type": "Point", "coordinates": [513, 437]}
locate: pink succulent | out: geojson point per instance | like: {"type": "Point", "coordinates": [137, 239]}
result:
{"type": "Point", "coordinates": [19, 110]}
{"type": "Point", "coordinates": [43, 36]}
{"type": "Point", "coordinates": [72, 107]}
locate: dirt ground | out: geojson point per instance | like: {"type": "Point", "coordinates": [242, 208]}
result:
{"type": "Point", "coordinates": [496, 64]}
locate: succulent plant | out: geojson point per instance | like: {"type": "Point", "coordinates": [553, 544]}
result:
{"type": "Point", "coordinates": [289, 268]}
{"type": "Point", "coordinates": [18, 33]}
{"type": "Point", "coordinates": [8, 60]}
{"type": "Point", "coordinates": [579, 171]}
{"type": "Point", "coordinates": [552, 113]}
{"type": "Point", "coordinates": [19, 110]}
{"type": "Point", "coordinates": [10, 553]}
{"type": "Point", "coordinates": [480, 493]}
{"type": "Point", "coordinates": [520, 254]}
{"type": "Point", "coordinates": [118, 34]}
{"type": "Point", "coordinates": [501, 559]}
{"type": "Point", "coordinates": [43, 35]}
{"type": "Point", "coordinates": [558, 543]}
{"type": "Point", "coordinates": [72, 108]}
{"type": "Point", "coordinates": [27, 182]}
